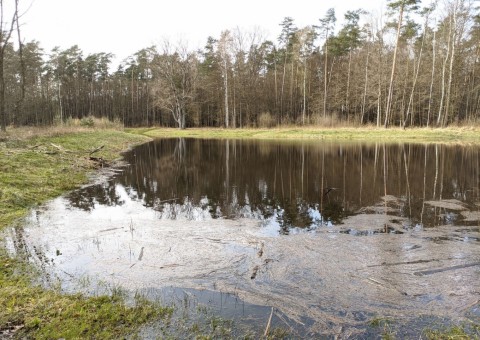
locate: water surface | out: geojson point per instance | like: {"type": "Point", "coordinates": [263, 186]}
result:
{"type": "Point", "coordinates": [336, 234]}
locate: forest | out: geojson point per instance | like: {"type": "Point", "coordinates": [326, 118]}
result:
{"type": "Point", "coordinates": [414, 65]}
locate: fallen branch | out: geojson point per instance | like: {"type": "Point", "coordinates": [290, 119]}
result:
{"type": "Point", "coordinates": [57, 146]}
{"type": "Point", "coordinates": [35, 146]}
{"type": "Point", "coordinates": [60, 148]}
{"type": "Point", "coordinates": [96, 150]}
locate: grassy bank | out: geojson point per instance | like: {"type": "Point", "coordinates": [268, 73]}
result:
{"type": "Point", "coordinates": [42, 167]}
{"type": "Point", "coordinates": [37, 166]}
{"type": "Point", "coordinates": [367, 134]}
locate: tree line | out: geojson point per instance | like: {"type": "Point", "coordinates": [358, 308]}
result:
{"type": "Point", "coordinates": [416, 65]}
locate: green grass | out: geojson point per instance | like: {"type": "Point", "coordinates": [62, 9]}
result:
{"type": "Point", "coordinates": [453, 333]}
{"type": "Point", "coordinates": [37, 313]}
{"type": "Point", "coordinates": [32, 171]}
{"type": "Point", "coordinates": [367, 134]}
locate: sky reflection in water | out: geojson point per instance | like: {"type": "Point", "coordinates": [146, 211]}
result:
{"type": "Point", "coordinates": [296, 186]}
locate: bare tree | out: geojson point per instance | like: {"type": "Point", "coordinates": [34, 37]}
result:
{"type": "Point", "coordinates": [175, 75]}
{"type": "Point", "coordinates": [426, 13]}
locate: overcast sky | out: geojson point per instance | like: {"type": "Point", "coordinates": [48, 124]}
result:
{"type": "Point", "coordinates": [123, 27]}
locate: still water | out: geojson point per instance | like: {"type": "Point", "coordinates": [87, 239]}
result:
{"type": "Point", "coordinates": [296, 185]}
{"type": "Point", "coordinates": [330, 235]}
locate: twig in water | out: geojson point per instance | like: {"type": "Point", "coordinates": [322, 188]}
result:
{"type": "Point", "coordinates": [375, 281]}
{"type": "Point", "coordinates": [267, 329]}
{"type": "Point", "coordinates": [141, 255]}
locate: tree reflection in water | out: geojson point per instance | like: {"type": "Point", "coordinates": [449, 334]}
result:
{"type": "Point", "coordinates": [289, 185]}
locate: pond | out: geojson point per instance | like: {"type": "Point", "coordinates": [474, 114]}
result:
{"type": "Point", "coordinates": [331, 235]}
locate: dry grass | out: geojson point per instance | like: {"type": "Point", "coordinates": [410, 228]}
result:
{"type": "Point", "coordinates": [464, 135]}
{"type": "Point", "coordinates": [70, 126]}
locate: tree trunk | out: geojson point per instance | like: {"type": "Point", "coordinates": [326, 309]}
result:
{"type": "Point", "coordinates": [347, 95]}
{"type": "Point", "coordinates": [450, 71]}
{"type": "Point", "coordinates": [394, 64]}
{"type": "Point", "coordinates": [283, 84]}
{"type": "Point", "coordinates": [444, 67]}
{"type": "Point", "coordinates": [3, 114]}
{"type": "Point", "coordinates": [225, 85]}
{"type": "Point", "coordinates": [304, 91]}
{"type": "Point", "coordinates": [431, 80]}
{"type": "Point", "coordinates": [325, 80]}
{"type": "Point", "coordinates": [365, 88]}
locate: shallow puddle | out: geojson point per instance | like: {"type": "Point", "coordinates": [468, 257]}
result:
{"type": "Point", "coordinates": [330, 235]}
